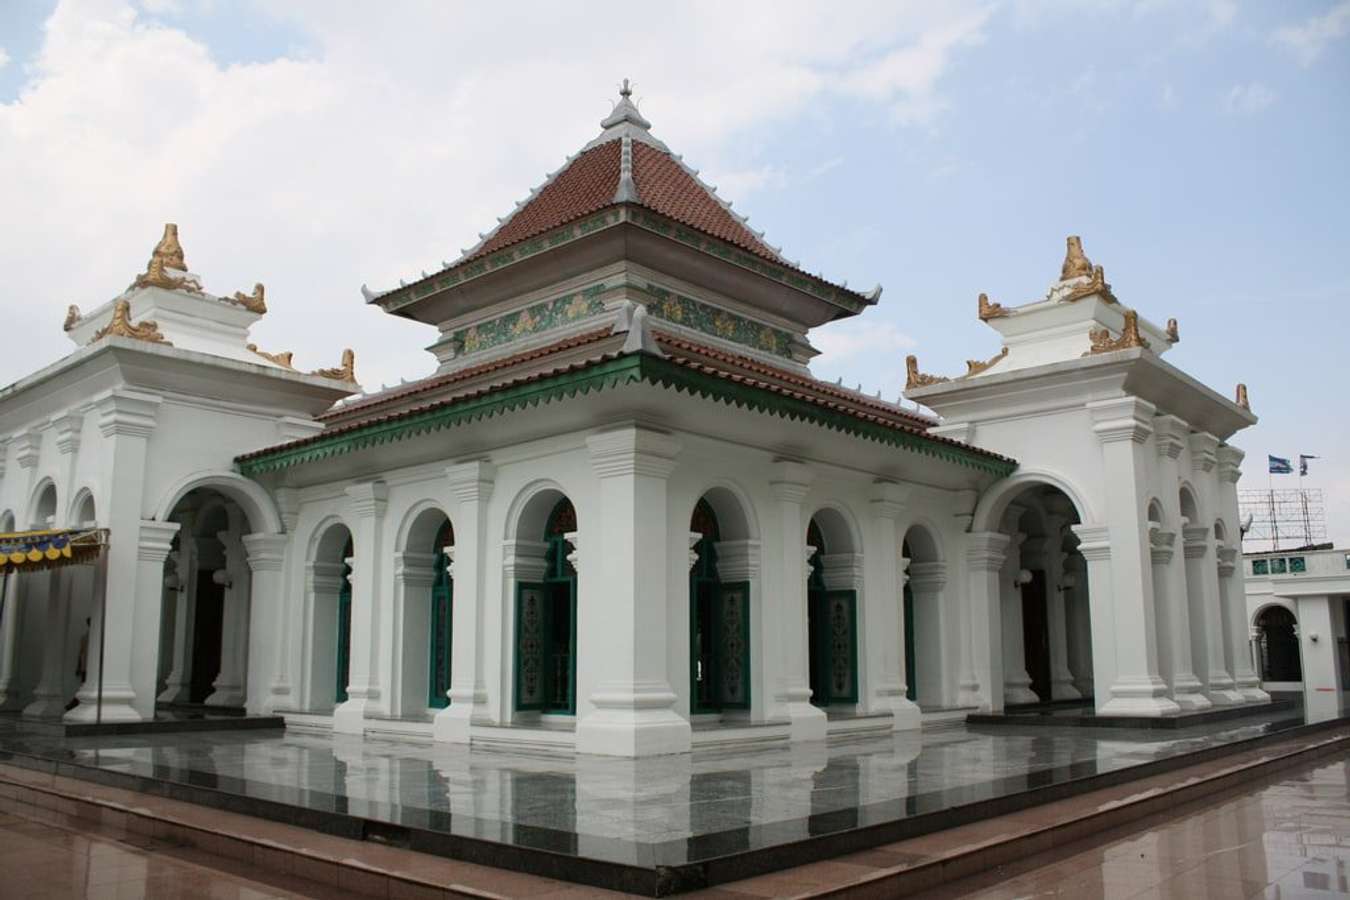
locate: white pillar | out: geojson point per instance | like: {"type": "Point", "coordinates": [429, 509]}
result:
{"type": "Point", "coordinates": [626, 660]}
{"type": "Point", "coordinates": [266, 555]}
{"type": "Point", "coordinates": [367, 502]}
{"type": "Point", "coordinates": [409, 667]}
{"type": "Point", "coordinates": [471, 483]}
{"type": "Point", "coordinates": [1123, 426]}
{"type": "Point", "coordinates": [883, 629]}
{"type": "Point", "coordinates": [790, 652]}
{"type": "Point", "coordinates": [1078, 621]}
{"type": "Point", "coordinates": [126, 420]}
{"type": "Point", "coordinates": [228, 688]}
{"type": "Point", "coordinates": [1317, 638]}
{"type": "Point", "coordinates": [1233, 591]}
{"type": "Point", "coordinates": [1016, 681]}
{"type": "Point", "coordinates": [1207, 633]}
{"type": "Point", "coordinates": [49, 697]}
{"type": "Point", "coordinates": [11, 688]}
{"type": "Point", "coordinates": [932, 621]}
{"type": "Point", "coordinates": [178, 682]}
{"type": "Point", "coordinates": [1061, 678]}
{"type": "Point", "coordinates": [986, 551]}
{"type": "Point", "coordinates": [1172, 603]}
{"type": "Point", "coordinates": [523, 561]}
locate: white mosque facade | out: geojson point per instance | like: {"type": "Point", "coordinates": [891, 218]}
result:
{"type": "Point", "coordinates": [622, 517]}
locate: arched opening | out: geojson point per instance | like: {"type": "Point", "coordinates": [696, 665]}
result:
{"type": "Point", "coordinates": [1277, 645]}
{"type": "Point", "coordinates": [424, 573]}
{"type": "Point", "coordinates": [7, 521]}
{"type": "Point", "coordinates": [328, 589]}
{"type": "Point", "coordinates": [546, 608]}
{"type": "Point", "coordinates": [206, 605]}
{"type": "Point", "coordinates": [442, 619]}
{"type": "Point", "coordinates": [719, 606]}
{"type": "Point", "coordinates": [1044, 594]}
{"type": "Point", "coordinates": [832, 609]}
{"type": "Point", "coordinates": [925, 577]}
{"type": "Point", "coordinates": [43, 511]}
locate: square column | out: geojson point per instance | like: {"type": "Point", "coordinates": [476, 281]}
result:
{"type": "Point", "coordinates": [1207, 632]}
{"type": "Point", "coordinates": [883, 634]}
{"type": "Point", "coordinates": [790, 658]}
{"type": "Point", "coordinates": [933, 632]}
{"type": "Point", "coordinates": [368, 501]}
{"type": "Point", "coordinates": [1061, 678]}
{"type": "Point", "coordinates": [1124, 606]}
{"type": "Point", "coordinates": [183, 596]}
{"type": "Point", "coordinates": [126, 420]}
{"type": "Point", "coordinates": [471, 483]}
{"type": "Point", "coordinates": [266, 557]}
{"type": "Point", "coordinates": [228, 687]}
{"type": "Point", "coordinates": [49, 697]}
{"type": "Point", "coordinates": [11, 689]}
{"type": "Point", "coordinates": [740, 561]}
{"type": "Point", "coordinates": [1016, 679]}
{"type": "Point", "coordinates": [1322, 686]}
{"type": "Point", "coordinates": [623, 653]}
{"type": "Point", "coordinates": [986, 552]}
{"type": "Point", "coordinates": [1233, 592]}
{"type": "Point", "coordinates": [407, 668]}
{"type": "Point", "coordinates": [1172, 603]}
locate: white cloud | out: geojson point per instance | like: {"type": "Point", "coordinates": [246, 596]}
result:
{"type": "Point", "coordinates": [1248, 98]}
{"type": "Point", "coordinates": [387, 147]}
{"type": "Point", "coordinates": [1308, 39]}
{"type": "Point", "coordinates": [1169, 97]}
{"type": "Point", "coordinates": [850, 349]}
{"type": "Point", "coordinates": [4, 58]}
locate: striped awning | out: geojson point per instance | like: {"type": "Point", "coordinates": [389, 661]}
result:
{"type": "Point", "coordinates": [33, 551]}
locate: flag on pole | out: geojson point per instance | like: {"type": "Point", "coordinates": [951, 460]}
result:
{"type": "Point", "coordinates": [1303, 463]}
{"type": "Point", "coordinates": [1280, 466]}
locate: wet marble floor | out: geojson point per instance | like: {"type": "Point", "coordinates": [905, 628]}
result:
{"type": "Point", "coordinates": [1287, 839]}
{"type": "Point", "coordinates": [666, 811]}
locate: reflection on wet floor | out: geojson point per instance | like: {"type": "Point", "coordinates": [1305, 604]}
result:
{"type": "Point", "coordinates": [666, 810]}
{"type": "Point", "coordinates": [1284, 839]}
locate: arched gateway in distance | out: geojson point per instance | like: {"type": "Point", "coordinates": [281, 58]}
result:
{"type": "Point", "coordinates": [623, 516]}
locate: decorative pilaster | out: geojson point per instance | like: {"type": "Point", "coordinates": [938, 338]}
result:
{"type": "Point", "coordinates": [228, 687]}
{"type": "Point", "coordinates": [472, 484]}
{"type": "Point", "coordinates": [1207, 633]}
{"type": "Point", "coordinates": [884, 634]}
{"type": "Point", "coordinates": [986, 552]}
{"type": "Point", "coordinates": [626, 674]}
{"type": "Point", "coordinates": [266, 558]}
{"type": "Point", "coordinates": [1126, 605]}
{"type": "Point", "coordinates": [183, 595]}
{"type": "Point", "coordinates": [1233, 593]}
{"type": "Point", "coordinates": [789, 656]}
{"type": "Point", "coordinates": [367, 502]}
{"type": "Point", "coordinates": [49, 697]}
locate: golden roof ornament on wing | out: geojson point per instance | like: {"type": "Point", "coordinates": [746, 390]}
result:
{"type": "Point", "coordinates": [1076, 263]}
{"type": "Point", "coordinates": [281, 359]}
{"type": "Point", "coordinates": [121, 326]}
{"type": "Point", "coordinates": [990, 310]}
{"type": "Point", "coordinates": [915, 379]}
{"type": "Point", "coordinates": [344, 372]}
{"type": "Point", "coordinates": [1173, 332]}
{"type": "Point", "coordinates": [72, 317]}
{"type": "Point", "coordinates": [1241, 398]}
{"type": "Point", "coordinates": [976, 366]}
{"type": "Point", "coordinates": [167, 255]}
{"type": "Point", "coordinates": [1130, 338]}
{"type": "Point", "coordinates": [255, 302]}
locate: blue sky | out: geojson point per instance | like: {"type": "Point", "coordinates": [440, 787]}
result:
{"type": "Point", "coordinates": [1200, 149]}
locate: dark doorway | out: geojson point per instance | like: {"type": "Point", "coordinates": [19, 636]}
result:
{"type": "Point", "coordinates": [1278, 645]}
{"type": "Point", "coordinates": [1036, 634]}
{"type": "Point", "coordinates": [206, 634]}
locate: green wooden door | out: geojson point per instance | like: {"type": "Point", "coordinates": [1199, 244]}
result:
{"type": "Point", "coordinates": [344, 634]}
{"type": "Point", "coordinates": [733, 645]}
{"type": "Point", "coordinates": [832, 620]}
{"type": "Point", "coordinates": [911, 689]}
{"type": "Point", "coordinates": [442, 625]}
{"type": "Point", "coordinates": [531, 632]}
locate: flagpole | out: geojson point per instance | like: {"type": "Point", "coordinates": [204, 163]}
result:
{"type": "Point", "coordinates": [1274, 523]}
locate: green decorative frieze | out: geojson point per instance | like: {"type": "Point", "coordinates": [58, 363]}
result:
{"type": "Point", "coordinates": [532, 319]}
{"type": "Point", "coordinates": [718, 322]}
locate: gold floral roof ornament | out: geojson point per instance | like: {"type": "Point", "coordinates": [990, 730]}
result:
{"type": "Point", "coordinates": [255, 302]}
{"type": "Point", "coordinates": [975, 366]}
{"type": "Point", "coordinates": [1096, 284]}
{"type": "Point", "coordinates": [990, 310]}
{"type": "Point", "coordinates": [1102, 342]}
{"type": "Point", "coordinates": [1076, 263]}
{"type": "Point", "coordinates": [121, 326]}
{"type": "Point", "coordinates": [916, 379]}
{"type": "Point", "coordinates": [1173, 332]}
{"type": "Point", "coordinates": [72, 317]}
{"type": "Point", "coordinates": [344, 372]}
{"type": "Point", "coordinates": [281, 359]}
{"type": "Point", "coordinates": [169, 250]}
{"type": "Point", "coordinates": [1241, 398]}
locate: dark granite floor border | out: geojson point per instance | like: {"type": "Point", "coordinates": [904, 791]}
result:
{"type": "Point", "coordinates": [157, 726]}
{"type": "Point", "coordinates": [1050, 714]}
{"type": "Point", "coordinates": [539, 851]}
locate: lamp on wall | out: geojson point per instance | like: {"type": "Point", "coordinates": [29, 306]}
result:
{"type": "Point", "coordinates": [1022, 577]}
{"type": "Point", "coordinates": [221, 577]}
{"type": "Point", "coordinates": [172, 581]}
{"type": "Point", "coordinates": [1068, 582]}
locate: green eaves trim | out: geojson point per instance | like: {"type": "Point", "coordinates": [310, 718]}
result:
{"type": "Point", "coordinates": [636, 367]}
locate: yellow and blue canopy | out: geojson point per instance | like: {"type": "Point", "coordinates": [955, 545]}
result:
{"type": "Point", "coordinates": [32, 551]}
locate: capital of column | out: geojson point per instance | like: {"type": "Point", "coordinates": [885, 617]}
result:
{"type": "Point", "coordinates": [632, 450]}
{"type": "Point", "coordinates": [790, 480]}
{"type": "Point", "coordinates": [1195, 541]}
{"type": "Point", "coordinates": [1230, 463]}
{"type": "Point", "coordinates": [1160, 545]}
{"type": "Point", "coordinates": [1227, 561]}
{"type": "Point", "coordinates": [67, 429]}
{"type": "Point", "coordinates": [265, 552]}
{"type": "Point", "coordinates": [155, 540]}
{"type": "Point", "coordinates": [322, 578]}
{"type": "Point", "coordinates": [841, 571]}
{"type": "Point", "coordinates": [1094, 541]}
{"type": "Point", "coordinates": [927, 577]}
{"type": "Point", "coordinates": [524, 560]}
{"type": "Point", "coordinates": [472, 481]}
{"type": "Point", "coordinates": [129, 413]}
{"type": "Point", "coordinates": [986, 551]}
{"type": "Point", "coordinates": [1122, 419]}
{"type": "Point", "coordinates": [737, 560]}
{"type": "Point", "coordinates": [694, 538]}
{"type": "Point", "coordinates": [1204, 451]}
{"type": "Point", "coordinates": [414, 569]}
{"type": "Point", "coordinates": [1170, 435]}
{"type": "Point", "coordinates": [368, 499]}
{"type": "Point", "coordinates": [889, 499]}
{"type": "Point", "coordinates": [27, 448]}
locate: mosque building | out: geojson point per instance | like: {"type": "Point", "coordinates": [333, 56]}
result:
{"type": "Point", "coordinates": [622, 516]}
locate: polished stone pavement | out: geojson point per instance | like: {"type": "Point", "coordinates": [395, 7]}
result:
{"type": "Point", "coordinates": [1287, 839]}
{"type": "Point", "coordinates": [667, 811]}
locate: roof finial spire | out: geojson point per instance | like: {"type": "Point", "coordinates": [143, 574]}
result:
{"type": "Point", "coordinates": [625, 111]}
{"type": "Point", "coordinates": [625, 91]}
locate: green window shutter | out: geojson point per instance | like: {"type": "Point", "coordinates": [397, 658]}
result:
{"type": "Point", "coordinates": [531, 642]}
{"type": "Point", "coordinates": [344, 636]}
{"type": "Point", "coordinates": [734, 644]}
{"type": "Point", "coordinates": [442, 625]}
{"type": "Point", "coordinates": [841, 636]}
{"type": "Point", "coordinates": [911, 690]}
